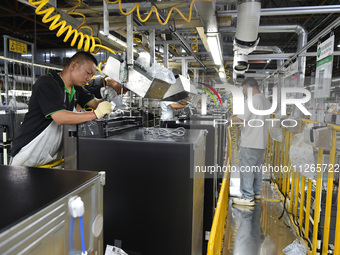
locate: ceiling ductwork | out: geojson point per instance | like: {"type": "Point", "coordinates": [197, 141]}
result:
{"type": "Point", "coordinates": [240, 62]}
{"type": "Point", "coordinates": [285, 11]}
{"type": "Point", "coordinates": [248, 20]}
{"type": "Point", "coordinates": [211, 38]}
{"type": "Point", "coordinates": [246, 36]}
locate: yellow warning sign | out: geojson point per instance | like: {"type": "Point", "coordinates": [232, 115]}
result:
{"type": "Point", "coordinates": [18, 47]}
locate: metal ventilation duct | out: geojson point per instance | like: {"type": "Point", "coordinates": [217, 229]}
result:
{"type": "Point", "coordinates": [246, 37]}
{"type": "Point", "coordinates": [248, 20]}
{"type": "Point", "coordinates": [207, 14]}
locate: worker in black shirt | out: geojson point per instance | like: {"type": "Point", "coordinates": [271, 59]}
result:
{"type": "Point", "coordinates": [53, 103]}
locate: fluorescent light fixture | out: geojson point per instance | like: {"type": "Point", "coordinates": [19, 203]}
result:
{"type": "Point", "coordinates": [69, 54]}
{"type": "Point", "coordinates": [17, 92]}
{"type": "Point", "coordinates": [215, 49]}
{"type": "Point", "coordinates": [26, 55]}
{"type": "Point", "coordinates": [24, 62]}
{"type": "Point", "coordinates": [113, 38]}
{"type": "Point", "coordinates": [338, 45]}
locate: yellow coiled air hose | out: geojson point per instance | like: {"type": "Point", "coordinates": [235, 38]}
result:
{"type": "Point", "coordinates": [85, 41]}
{"type": "Point", "coordinates": [227, 73]}
{"type": "Point", "coordinates": [88, 42]}
{"type": "Point", "coordinates": [233, 134]}
{"type": "Point", "coordinates": [154, 9]}
{"type": "Point", "coordinates": [194, 39]}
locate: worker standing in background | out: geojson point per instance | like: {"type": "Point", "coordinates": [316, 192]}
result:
{"type": "Point", "coordinates": [53, 104]}
{"type": "Point", "coordinates": [103, 86]}
{"type": "Point", "coordinates": [253, 144]}
{"type": "Point", "coordinates": [167, 108]}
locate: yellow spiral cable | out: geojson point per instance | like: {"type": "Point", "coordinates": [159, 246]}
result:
{"type": "Point", "coordinates": [154, 9]}
{"type": "Point", "coordinates": [226, 73]}
{"type": "Point", "coordinates": [234, 150]}
{"type": "Point", "coordinates": [233, 134]}
{"type": "Point", "coordinates": [227, 76]}
{"type": "Point", "coordinates": [136, 39]}
{"type": "Point", "coordinates": [172, 47]}
{"type": "Point", "coordinates": [74, 7]}
{"type": "Point", "coordinates": [85, 41]}
{"type": "Point", "coordinates": [99, 68]}
{"type": "Point", "coordinates": [70, 11]}
{"type": "Point", "coordinates": [194, 39]}
{"type": "Point", "coordinates": [79, 14]}
{"type": "Point", "coordinates": [90, 28]}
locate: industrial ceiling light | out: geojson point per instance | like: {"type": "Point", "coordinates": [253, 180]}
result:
{"type": "Point", "coordinates": [215, 48]}
{"type": "Point", "coordinates": [113, 38]}
{"type": "Point", "coordinates": [248, 20]}
{"type": "Point", "coordinates": [240, 64]}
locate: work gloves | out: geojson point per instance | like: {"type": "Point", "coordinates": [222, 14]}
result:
{"type": "Point", "coordinates": [108, 93]}
{"type": "Point", "coordinates": [103, 108]}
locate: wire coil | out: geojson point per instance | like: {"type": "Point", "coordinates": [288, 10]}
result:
{"type": "Point", "coordinates": [180, 131]}
{"type": "Point", "coordinates": [88, 42]}
{"type": "Point", "coordinates": [154, 9]}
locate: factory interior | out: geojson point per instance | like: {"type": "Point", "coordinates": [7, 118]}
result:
{"type": "Point", "coordinates": [160, 172]}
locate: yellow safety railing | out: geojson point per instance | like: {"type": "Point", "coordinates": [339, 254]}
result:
{"type": "Point", "coordinates": [298, 200]}
{"type": "Point", "coordinates": [215, 243]}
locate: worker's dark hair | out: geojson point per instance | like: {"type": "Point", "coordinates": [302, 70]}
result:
{"type": "Point", "coordinates": [250, 82]}
{"type": "Point", "coordinates": [81, 57]}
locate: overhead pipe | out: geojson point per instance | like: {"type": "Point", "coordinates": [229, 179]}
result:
{"type": "Point", "coordinates": [275, 49]}
{"type": "Point", "coordinates": [248, 20]}
{"type": "Point", "coordinates": [302, 41]}
{"type": "Point", "coordinates": [246, 35]}
{"type": "Point", "coordinates": [184, 44]}
{"type": "Point", "coordinates": [299, 30]}
{"type": "Point", "coordinates": [187, 48]}
{"type": "Point", "coordinates": [314, 40]}
{"type": "Point", "coordinates": [286, 11]}
{"type": "Point", "coordinates": [106, 16]}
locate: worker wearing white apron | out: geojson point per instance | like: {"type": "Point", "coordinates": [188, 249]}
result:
{"type": "Point", "coordinates": [54, 99]}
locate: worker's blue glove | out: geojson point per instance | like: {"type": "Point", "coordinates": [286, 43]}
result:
{"type": "Point", "coordinates": [102, 109]}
